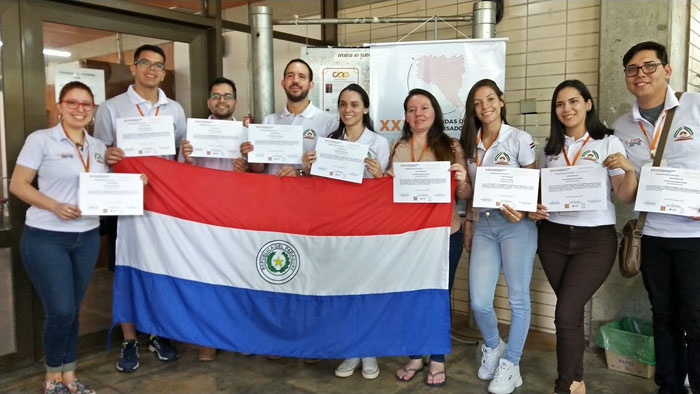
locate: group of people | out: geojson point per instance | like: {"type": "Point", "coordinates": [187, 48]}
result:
{"type": "Point", "coordinates": [577, 250]}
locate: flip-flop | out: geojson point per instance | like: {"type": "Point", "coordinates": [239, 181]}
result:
{"type": "Point", "coordinates": [433, 375]}
{"type": "Point", "coordinates": [407, 370]}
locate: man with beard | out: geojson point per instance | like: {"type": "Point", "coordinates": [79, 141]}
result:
{"type": "Point", "coordinates": [221, 103]}
{"type": "Point", "coordinates": [297, 81]}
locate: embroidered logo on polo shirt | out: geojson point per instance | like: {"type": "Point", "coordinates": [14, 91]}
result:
{"type": "Point", "coordinates": [501, 158]}
{"type": "Point", "coordinates": [65, 155]}
{"type": "Point", "coordinates": [633, 142]}
{"type": "Point", "coordinates": [310, 134]}
{"type": "Point", "coordinates": [551, 158]}
{"type": "Point", "coordinates": [590, 155]}
{"type": "Point", "coordinates": [683, 133]}
{"type": "Point", "coordinates": [369, 154]}
{"type": "Point", "coordinates": [99, 158]}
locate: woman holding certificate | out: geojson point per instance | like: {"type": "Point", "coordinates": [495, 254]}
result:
{"type": "Point", "coordinates": [577, 247]}
{"type": "Point", "coordinates": [355, 125]}
{"type": "Point", "coordinates": [423, 139]}
{"type": "Point", "coordinates": [59, 246]}
{"type": "Point", "coordinates": [502, 238]}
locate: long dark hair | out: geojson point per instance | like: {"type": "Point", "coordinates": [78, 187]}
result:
{"type": "Point", "coordinates": [366, 120]}
{"type": "Point", "coordinates": [471, 124]}
{"type": "Point", "coordinates": [557, 131]}
{"type": "Point", "coordinates": [438, 142]}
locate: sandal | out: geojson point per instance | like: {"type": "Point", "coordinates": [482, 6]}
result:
{"type": "Point", "coordinates": [406, 372]}
{"type": "Point", "coordinates": [433, 375]}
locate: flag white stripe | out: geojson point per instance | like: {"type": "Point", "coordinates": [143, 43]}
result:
{"type": "Point", "coordinates": [328, 265]}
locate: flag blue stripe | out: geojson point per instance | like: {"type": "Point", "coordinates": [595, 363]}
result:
{"type": "Point", "coordinates": [261, 322]}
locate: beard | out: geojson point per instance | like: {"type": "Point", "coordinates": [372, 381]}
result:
{"type": "Point", "coordinates": [296, 98]}
{"type": "Point", "coordinates": [223, 114]}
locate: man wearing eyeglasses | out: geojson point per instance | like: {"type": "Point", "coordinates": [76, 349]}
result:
{"type": "Point", "coordinates": [221, 103]}
{"type": "Point", "coordinates": [143, 98]}
{"type": "Point", "coordinates": [670, 243]}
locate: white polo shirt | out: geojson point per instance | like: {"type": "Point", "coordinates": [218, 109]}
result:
{"type": "Point", "coordinates": [682, 151]}
{"type": "Point", "coordinates": [315, 123]}
{"type": "Point", "coordinates": [378, 148]}
{"type": "Point", "coordinates": [125, 106]}
{"type": "Point", "coordinates": [593, 153]}
{"type": "Point", "coordinates": [58, 167]}
{"type": "Point", "coordinates": [512, 148]}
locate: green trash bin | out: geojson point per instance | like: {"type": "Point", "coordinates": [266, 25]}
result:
{"type": "Point", "coordinates": [629, 346]}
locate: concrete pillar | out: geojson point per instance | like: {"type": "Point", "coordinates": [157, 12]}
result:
{"type": "Point", "coordinates": [623, 24]}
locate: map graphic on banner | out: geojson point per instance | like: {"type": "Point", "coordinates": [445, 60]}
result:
{"type": "Point", "coordinates": [447, 69]}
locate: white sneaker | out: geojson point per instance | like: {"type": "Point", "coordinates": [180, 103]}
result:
{"type": "Point", "coordinates": [506, 378]}
{"type": "Point", "coordinates": [489, 360]}
{"type": "Point", "coordinates": [370, 369]}
{"type": "Point", "coordinates": [347, 368]}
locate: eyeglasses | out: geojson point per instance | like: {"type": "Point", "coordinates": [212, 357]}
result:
{"type": "Point", "coordinates": [219, 96]}
{"type": "Point", "coordinates": [74, 104]}
{"type": "Point", "coordinates": [147, 64]}
{"type": "Point", "coordinates": [647, 68]}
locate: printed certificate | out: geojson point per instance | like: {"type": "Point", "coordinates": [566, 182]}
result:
{"type": "Point", "coordinates": [575, 188]}
{"type": "Point", "coordinates": [675, 191]}
{"type": "Point", "coordinates": [275, 143]}
{"type": "Point", "coordinates": [422, 182]}
{"type": "Point", "coordinates": [146, 135]}
{"type": "Point", "coordinates": [106, 194]}
{"type": "Point", "coordinates": [338, 159]}
{"type": "Point", "coordinates": [515, 187]}
{"type": "Point", "coordinates": [215, 138]}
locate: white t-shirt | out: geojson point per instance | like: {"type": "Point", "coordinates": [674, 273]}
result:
{"type": "Point", "coordinates": [682, 151]}
{"type": "Point", "coordinates": [125, 106]}
{"type": "Point", "coordinates": [378, 148]}
{"type": "Point", "coordinates": [593, 153]}
{"type": "Point", "coordinates": [58, 166]}
{"type": "Point", "coordinates": [512, 148]}
{"type": "Point", "coordinates": [315, 123]}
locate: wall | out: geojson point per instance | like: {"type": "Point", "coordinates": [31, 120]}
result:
{"type": "Point", "coordinates": [694, 47]}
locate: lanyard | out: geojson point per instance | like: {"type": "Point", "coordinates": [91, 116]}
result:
{"type": "Point", "coordinates": [86, 166]}
{"type": "Point", "coordinates": [425, 148]}
{"type": "Point", "coordinates": [476, 154]}
{"type": "Point", "coordinates": [566, 155]}
{"type": "Point", "coordinates": [652, 144]}
{"type": "Point", "coordinates": [141, 112]}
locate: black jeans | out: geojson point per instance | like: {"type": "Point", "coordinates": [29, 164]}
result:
{"type": "Point", "coordinates": [671, 273]}
{"type": "Point", "coordinates": [576, 260]}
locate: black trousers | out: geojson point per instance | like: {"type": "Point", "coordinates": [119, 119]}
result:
{"type": "Point", "coordinates": [671, 273]}
{"type": "Point", "coordinates": [576, 260]}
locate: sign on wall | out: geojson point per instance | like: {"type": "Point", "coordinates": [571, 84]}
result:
{"type": "Point", "coordinates": [447, 68]}
{"type": "Point", "coordinates": [93, 78]}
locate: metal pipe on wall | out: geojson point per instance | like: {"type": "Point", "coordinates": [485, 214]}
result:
{"type": "Point", "coordinates": [365, 20]}
{"type": "Point", "coordinates": [484, 24]}
{"type": "Point", "coordinates": [262, 61]}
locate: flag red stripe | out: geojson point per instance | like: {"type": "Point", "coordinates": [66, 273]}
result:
{"type": "Point", "coordinates": [310, 206]}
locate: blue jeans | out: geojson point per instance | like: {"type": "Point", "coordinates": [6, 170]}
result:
{"type": "Point", "coordinates": [456, 247]}
{"type": "Point", "coordinates": [497, 243]}
{"type": "Point", "coordinates": [59, 265]}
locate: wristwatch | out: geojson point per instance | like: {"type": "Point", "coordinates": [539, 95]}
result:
{"type": "Point", "coordinates": [301, 172]}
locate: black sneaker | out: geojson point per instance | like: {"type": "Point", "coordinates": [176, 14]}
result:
{"type": "Point", "coordinates": [162, 347]}
{"type": "Point", "coordinates": [129, 357]}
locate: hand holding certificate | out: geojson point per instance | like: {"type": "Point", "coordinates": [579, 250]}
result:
{"type": "Point", "coordinates": [574, 188]}
{"type": "Point", "coordinates": [338, 159]}
{"type": "Point", "coordinates": [669, 190]}
{"type": "Point", "coordinates": [275, 143]}
{"type": "Point", "coordinates": [515, 187]}
{"type": "Point", "coordinates": [146, 136]}
{"type": "Point", "coordinates": [110, 194]}
{"type": "Point", "coordinates": [215, 138]}
{"type": "Point", "coordinates": [422, 182]}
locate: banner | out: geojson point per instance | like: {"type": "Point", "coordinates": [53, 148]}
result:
{"type": "Point", "coordinates": [303, 267]}
{"type": "Point", "coordinates": [447, 69]}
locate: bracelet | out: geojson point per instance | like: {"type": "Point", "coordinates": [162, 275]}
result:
{"type": "Point", "coordinates": [301, 172]}
{"type": "Point", "coordinates": [468, 220]}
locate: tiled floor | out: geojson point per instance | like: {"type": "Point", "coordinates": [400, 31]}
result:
{"type": "Point", "coordinates": [234, 373]}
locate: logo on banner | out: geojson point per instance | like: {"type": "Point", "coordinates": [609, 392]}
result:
{"type": "Point", "coordinates": [310, 134]}
{"type": "Point", "coordinates": [340, 74]}
{"type": "Point", "coordinates": [277, 262]}
{"type": "Point", "coordinates": [501, 158]}
{"type": "Point", "coordinates": [683, 133]}
{"type": "Point", "coordinates": [590, 155]}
